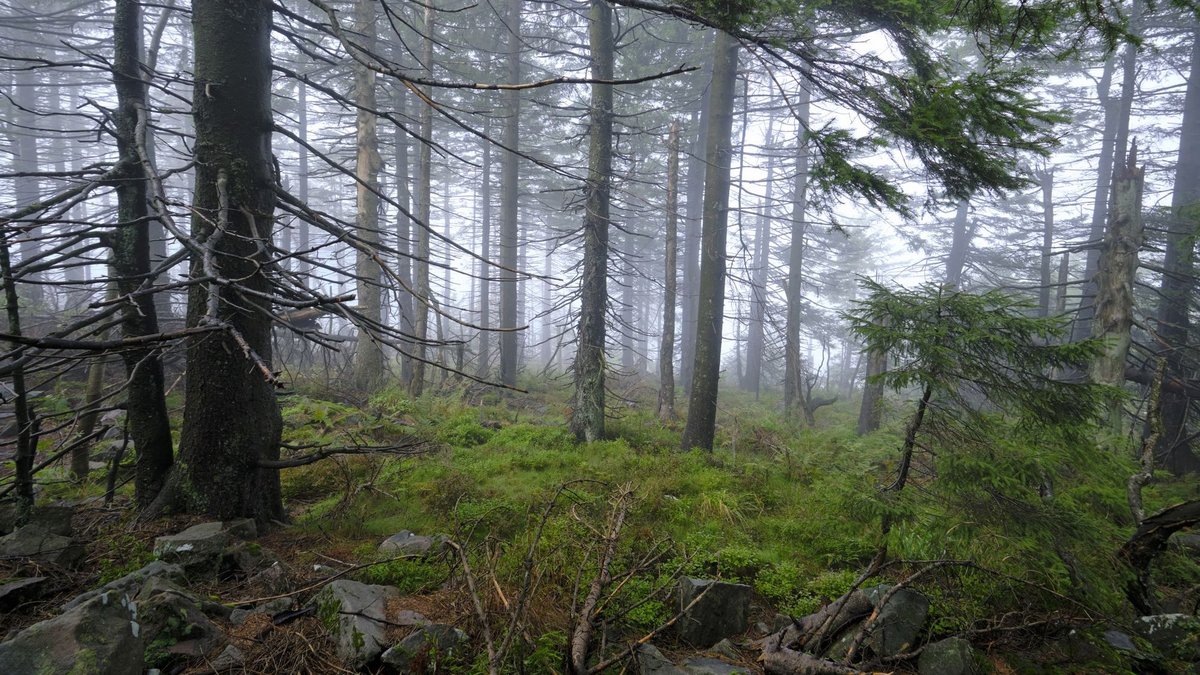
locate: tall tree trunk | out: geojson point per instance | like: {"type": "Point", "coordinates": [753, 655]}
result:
{"type": "Point", "coordinates": [702, 404]}
{"type": "Point", "coordinates": [1046, 180]}
{"type": "Point", "coordinates": [793, 387]}
{"type": "Point", "coordinates": [1173, 451]}
{"type": "Point", "coordinates": [26, 438]}
{"type": "Point", "coordinates": [587, 417]}
{"type": "Point", "coordinates": [404, 264]}
{"type": "Point", "coordinates": [509, 192]}
{"type": "Point", "coordinates": [1114, 281]}
{"type": "Point", "coordinates": [871, 412]}
{"type": "Point", "coordinates": [1112, 145]}
{"type": "Point", "coordinates": [666, 350]}
{"type": "Point", "coordinates": [231, 419]}
{"type": "Point", "coordinates": [423, 201]}
{"type": "Point", "coordinates": [485, 271]}
{"type": "Point", "coordinates": [368, 354]}
{"type": "Point", "coordinates": [149, 424]}
{"type": "Point", "coordinates": [692, 217]}
{"type": "Point", "coordinates": [302, 237]}
{"type": "Point", "coordinates": [758, 285]}
{"type": "Point", "coordinates": [27, 188]}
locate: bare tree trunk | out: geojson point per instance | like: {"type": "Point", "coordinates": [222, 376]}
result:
{"type": "Point", "coordinates": [485, 271]}
{"type": "Point", "coordinates": [693, 215]}
{"type": "Point", "coordinates": [793, 388]}
{"type": "Point", "coordinates": [423, 201]}
{"type": "Point", "coordinates": [231, 419]}
{"type": "Point", "coordinates": [758, 292]}
{"type": "Point", "coordinates": [666, 350]}
{"type": "Point", "coordinates": [1114, 281]}
{"type": "Point", "coordinates": [871, 412]}
{"type": "Point", "coordinates": [1174, 323]}
{"type": "Point", "coordinates": [149, 423]}
{"type": "Point", "coordinates": [702, 404]}
{"type": "Point", "coordinates": [509, 193]}
{"type": "Point", "coordinates": [27, 188]}
{"type": "Point", "coordinates": [368, 354]}
{"type": "Point", "coordinates": [587, 417]}
{"type": "Point", "coordinates": [404, 231]}
{"type": "Point", "coordinates": [26, 442]}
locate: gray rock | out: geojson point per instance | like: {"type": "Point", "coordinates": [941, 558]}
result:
{"type": "Point", "coordinates": [101, 636]}
{"type": "Point", "coordinates": [952, 656]}
{"type": "Point", "coordinates": [425, 649]}
{"type": "Point", "coordinates": [407, 543]}
{"type": "Point", "coordinates": [198, 548]}
{"type": "Point", "coordinates": [1187, 541]}
{"type": "Point", "coordinates": [21, 591]}
{"type": "Point", "coordinates": [238, 616]}
{"type": "Point", "coordinates": [53, 518]}
{"type": "Point", "coordinates": [354, 614]}
{"type": "Point", "coordinates": [1175, 635]}
{"type": "Point", "coordinates": [231, 657]}
{"type": "Point", "coordinates": [242, 528]}
{"type": "Point", "coordinates": [713, 667]}
{"type": "Point", "coordinates": [408, 617]}
{"type": "Point", "coordinates": [131, 583]}
{"type": "Point", "coordinates": [41, 546]}
{"type": "Point", "coordinates": [1119, 641]}
{"type": "Point", "coordinates": [722, 612]}
{"type": "Point", "coordinates": [652, 662]}
{"type": "Point", "coordinates": [726, 649]}
{"type": "Point", "coordinates": [174, 623]}
{"type": "Point", "coordinates": [273, 579]}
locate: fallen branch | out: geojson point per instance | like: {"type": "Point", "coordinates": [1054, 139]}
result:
{"type": "Point", "coordinates": [583, 629]}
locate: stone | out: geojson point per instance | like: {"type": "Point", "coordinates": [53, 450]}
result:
{"type": "Point", "coordinates": [273, 579]}
{"type": "Point", "coordinates": [16, 593]}
{"type": "Point", "coordinates": [244, 559]}
{"type": "Point", "coordinates": [408, 617]}
{"type": "Point", "coordinates": [131, 583]}
{"type": "Point", "coordinates": [53, 518]}
{"type": "Point", "coordinates": [722, 612]}
{"type": "Point", "coordinates": [354, 613]}
{"type": "Point", "coordinates": [174, 623]}
{"type": "Point", "coordinates": [726, 649]}
{"type": "Point", "coordinates": [1119, 641]}
{"type": "Point", "coordinates": [952, 656]}
{"type": "Point", "coordinates": [652, 662]}
{"type": "Point", "coordinates": [229, 658]}
{"type": "Point", "coordinates": [242, 528]}
{"type": "Point", "coordinates": [1175, 635]}
{"type": "Point", "coordinates": [407, 543]}
{"type": "Point", "coordinates": [896, 628]}
{"type": "Point", "coordinates": [426, 650]}
{"type": "Point", "coordinates": [101, 637]}
{"type": "Point", "coordinates": [713, 667]}
{"type": "Point", "coordinates": [41, 546]}
{"type": "Point", "coordinates": [198, 548]}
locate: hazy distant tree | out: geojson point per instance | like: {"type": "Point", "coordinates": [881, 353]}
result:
{"type": "Point", "coordinates": [666, 351]}
{"type": "Point", "coordinates": [509, 195]}
{"type": "Point", "coordinates": [423, 201]}
{"type": "Point", "coordinates": [793, 387]}
{"type": "Point", "coordinates": [368, 354]}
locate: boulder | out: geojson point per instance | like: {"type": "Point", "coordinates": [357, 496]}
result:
{"type": "Point", "coordinates": [1175, 635]}
{"type": "Point", "coordinates": [896, 628]}
{"type": "Point", "coordinates": [354, 613]}
{"type": "Point", "coordinates": [407, 543]}
{"type": "Point", "coordinates": [725, 648]}
{"type": "Point", "coordinates": [713, 667]}
{"type": "Point", "coordinates": [952, 656]}
{"type": "Point", "coordinates": [131, 583]}
{"type": "Point", "coordinates": [652, 662]}
{"type": "Point", "coordinates": [723, 611]}
{"type": "Point", "coordinates": [426, 650]}
{"type": "Point", "coordinates": [101, 636]}
{"type": "Point", "coordinates": [229, 659]}
{"type": "Point", "coordinates": [41, 546]}
{"type": "Point", "coordinates": [20, 591]}
{"type": "Point", "coordinates": [173, 624]}
{"type": "Point", "coordinates": [202, 549]}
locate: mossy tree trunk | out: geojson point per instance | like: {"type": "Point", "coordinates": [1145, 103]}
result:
{"type": "Point", "coordinates": [231, 418]}
{"type": "Point", "coordinates": [702, 404]}
{"type": "Point", "coordinates": [146, 406]}
{"type": "Point", "coordinates": [587, 416]}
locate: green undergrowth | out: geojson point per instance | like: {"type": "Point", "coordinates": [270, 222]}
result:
{"type": "Point", "coordinates": [794, 512]}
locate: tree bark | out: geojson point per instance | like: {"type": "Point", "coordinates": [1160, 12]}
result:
{"type": "Point", "coordinates": [1174, 324]}
{"type": "Point", "coordinates": [1046, 181]}
{"type": "Point", "coordinates": [793, 387]}
{"type": "Point", "coordinates": [146, 406]}
{"type": "Point", "coordinates": [484, 368]}
{"type": "Point", "coordinates": [404, 230]}
{"type": "Point", "coordinates": [755, 337]}
{"type": "Point", "coordinates": [666, 350]}
{"type": "Point", "coordinates": [368, 354]}
{"type": "Point", "coordinates": [1118, 265]}
{"type": "Point", "coordinates": [960, 245]}
{"type": "Point", "coordinates": [509, 193]}
{"type": "Point", "coordinates": [702, 404]}
{"type": "Point", "coordinates": [423, 202]}
{"type": "Point", "coordinates": [693, 215]}
{"type": "Point", "coordinates": [587, 417]}
{"type": "Point", "coordinates": [231, 418]}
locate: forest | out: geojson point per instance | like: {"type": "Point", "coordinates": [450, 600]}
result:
{"type": "Point", "coordinates": [671, 337]}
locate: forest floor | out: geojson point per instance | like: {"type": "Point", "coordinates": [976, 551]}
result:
{"type": "Point", "coordinates": [777, 506]}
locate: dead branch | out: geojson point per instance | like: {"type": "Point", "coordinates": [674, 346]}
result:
{"type": "Point", "coordinates": [583, 629]}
